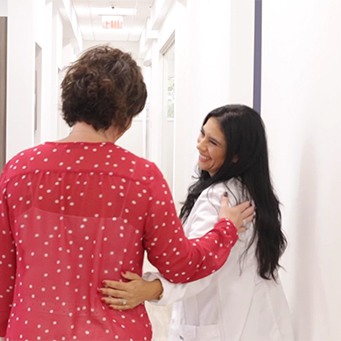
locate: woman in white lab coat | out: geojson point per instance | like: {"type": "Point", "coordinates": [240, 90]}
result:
{"type": "Point", "coordinates": [244, 300]}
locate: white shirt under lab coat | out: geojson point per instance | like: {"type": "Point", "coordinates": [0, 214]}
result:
{"type": "Point", "coordinates": [234, 303]}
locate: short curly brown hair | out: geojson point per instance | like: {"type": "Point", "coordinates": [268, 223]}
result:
{"type": "Point", "coordinates": [103, 88]}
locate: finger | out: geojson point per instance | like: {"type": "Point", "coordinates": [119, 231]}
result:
{"type": "Point", "coordinates": [121, 307]}
{"type": "Point", "coordinates": [119, 303]}
{"type": "Point", "coordinates": [241, 229]}
{"type": "Point", "coordinates": [224, 201]}
{"type": "Point", "coordinates": [243, 206]}
{"type": "Point", "coordinates": [111, 292]}
{"type": "Point", "coordinates": [116, 303]}
{"type": "Point", "coordinates": [130, 275]}
{"type": "Point", "coordinates": [112, 300]}
{"type": "Point", "coordinates": [114, 284]}
{"type": "Point", "coordinates": [248, 214]}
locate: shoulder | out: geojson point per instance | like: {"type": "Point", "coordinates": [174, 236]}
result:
{"type": "Point", "coordinates": [234, 188]}
{"type": "Point", "coordinates": [139, 167]}
{"type": "Point", "coordinates": [16, 166]}
{"type": "Point", "coordinates": [236, 191]}
{"type": "Point", "coordinates": [210, 196]}
{"type": "Point", "coordinates": [19, 160]}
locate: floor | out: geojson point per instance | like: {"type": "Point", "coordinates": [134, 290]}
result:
{"type": "Point", "coordinates": [159, 315]}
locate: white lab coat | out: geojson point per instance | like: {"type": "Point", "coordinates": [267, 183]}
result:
{"type": "Point", "coordinates": [234, 303]}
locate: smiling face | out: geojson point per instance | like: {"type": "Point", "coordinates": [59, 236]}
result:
{"type": "Point", "coordinates": [211, 146]}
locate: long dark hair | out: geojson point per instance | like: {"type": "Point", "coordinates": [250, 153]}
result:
{"type": "Point", "coordinates": [245, 136]}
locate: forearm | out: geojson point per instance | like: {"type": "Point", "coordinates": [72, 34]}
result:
{"type": "Point", "coordinates": [177, 292]}
{"type": "Point", "coordinates": [154, 290]}
{"type": "Point", "coordinates": [189, 260]}
{"type": "Point", "coordinates": [178, 259]}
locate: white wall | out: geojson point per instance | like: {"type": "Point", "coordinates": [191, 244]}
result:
{"type": "Point", "coordinates": [20, 76]}
{"type": "Point", "coordinates": [132, 140]}
{"type": "Point", "coordinates": [213, 68]}
{"type": "Point", "coordinates": [301, 102]}
{"type": "Point", "coordinates": [32, 22]}
{"type": "Point", "coordinates": [3, 8]}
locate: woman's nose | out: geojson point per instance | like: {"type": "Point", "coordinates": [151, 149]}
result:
{"type": "Point", "coordinates": [200, 144]}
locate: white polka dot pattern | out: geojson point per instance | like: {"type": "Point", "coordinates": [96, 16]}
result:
{"type": "Point", "coordinates": [74, 214]}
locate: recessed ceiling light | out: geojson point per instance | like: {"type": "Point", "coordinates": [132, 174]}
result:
{"type": "Point", "coordinates": [115, 11]}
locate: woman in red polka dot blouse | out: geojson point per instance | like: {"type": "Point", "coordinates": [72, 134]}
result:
{"type": "Point", "coordinates": [81, 209]}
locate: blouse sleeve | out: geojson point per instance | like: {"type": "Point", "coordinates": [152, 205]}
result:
{"type": "Point", "coordinates": [7, 261]}
{"type": "Point", "coordinates": [205, 214]}
{"type": "Point", "coordinates": [179, 259]}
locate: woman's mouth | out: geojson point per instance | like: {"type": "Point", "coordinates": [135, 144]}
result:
{"type": "Point", "coordinates": [203, 158]}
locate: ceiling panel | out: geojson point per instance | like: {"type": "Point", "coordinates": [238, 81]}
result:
{"type": "Point", "coordinates": [89, 14]}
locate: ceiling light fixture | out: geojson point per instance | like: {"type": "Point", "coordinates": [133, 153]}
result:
{"type": "Point", "coordinates": [114, 11]}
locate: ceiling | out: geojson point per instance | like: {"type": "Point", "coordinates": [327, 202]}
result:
{"type": "Point", "coordinates": [90, 12]}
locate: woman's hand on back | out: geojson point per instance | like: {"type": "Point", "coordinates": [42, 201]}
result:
{"type": "Point", "coordinates": [240, 214]}
{"type": "Point", "coordinates": [128, 295]}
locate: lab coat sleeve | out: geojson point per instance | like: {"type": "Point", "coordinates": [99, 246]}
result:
{"type": "Point", "coordinates": [177, 292]}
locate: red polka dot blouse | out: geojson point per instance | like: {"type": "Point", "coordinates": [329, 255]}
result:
{"type": "Point", "coordinates": [74, 214]}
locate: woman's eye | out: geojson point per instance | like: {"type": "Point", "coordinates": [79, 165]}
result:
{"type": "Point", "coordinates": [213, 142]}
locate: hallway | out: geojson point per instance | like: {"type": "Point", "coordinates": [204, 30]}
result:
{"type": "Point", "coordinates": [282, 58]}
